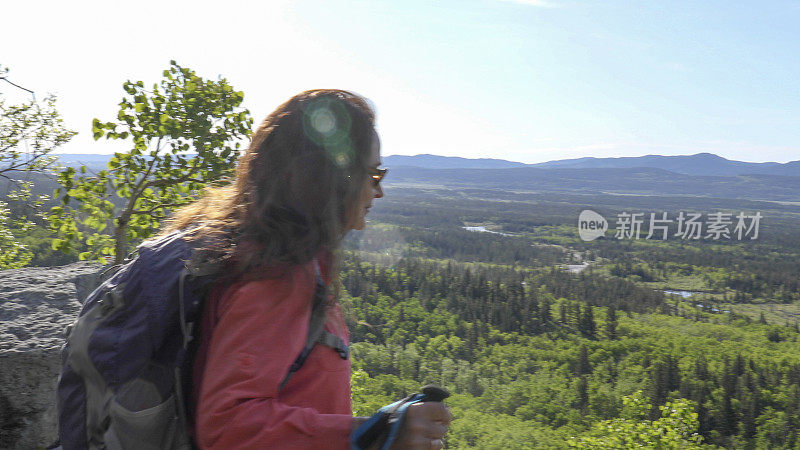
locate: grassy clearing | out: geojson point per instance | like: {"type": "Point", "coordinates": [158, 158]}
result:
{"type": "Point", "coordinates": [678, 282]}
{"type": "Point", "coordinates": [774, 313]}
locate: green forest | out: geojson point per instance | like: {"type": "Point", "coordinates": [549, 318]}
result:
{"type": "Point", "coordinates": [544, 340]}
{"type": "Point", "coordinates": [539, 357]}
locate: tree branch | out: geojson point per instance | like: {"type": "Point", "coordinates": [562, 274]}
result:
{"type": "Point", "coordinates": [196, 166]}
{"type": "Point", "coordinates": [167, 182]}
{"type": "Point", "coordinates": [137, 191]}
{"type": "Point", "coordinates": [16, 85]}
{"type": "Point", "coordinates": [19, 138]}
{"type": "Point", "coordinates": [23, 164]}
{"type": "Point", "coordinates": [142, 184]}
{"type": "Point", "coordinates": [155, 207]}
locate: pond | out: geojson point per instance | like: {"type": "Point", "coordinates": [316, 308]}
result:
{"type": "Point", "coordinates": [483, 229]}
{"type": "Point", "coordinates": [684, 294]}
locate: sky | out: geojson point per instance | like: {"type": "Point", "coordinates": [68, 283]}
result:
{"type": "Point", "coordinates": [522, 80]}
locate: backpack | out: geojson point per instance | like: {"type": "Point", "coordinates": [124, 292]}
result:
{"type": "Point", "coordinates": [126, 365]}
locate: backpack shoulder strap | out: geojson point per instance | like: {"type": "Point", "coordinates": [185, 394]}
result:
{"type": "Point", "coordinates": [316, 328]}
{"type": "Point", "coordinates": [333, 341]}
{"type": "Point", "coordinates": [324, 337]}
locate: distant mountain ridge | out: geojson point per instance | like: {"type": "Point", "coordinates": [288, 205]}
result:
{"type": "Point", "coordinates": [702, 175]}
{"type": "Point", "coordinates": [706, 164]}
{"type": "Point", "coordinates": [703, 164]}
{"type": "Point", "coordinates": [698, 164]}
{"type": "Point", "coordinates": [626, 181]}
{"type": "Point", "coordinates": [449, 162]}
{"type": "Point", "coordinates": [93, 161]}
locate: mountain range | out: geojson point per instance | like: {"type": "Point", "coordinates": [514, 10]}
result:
{"type": "Point", "coordinates": [700, 175]}
{"type": "Point", "coordinates": [698, 164]}
{"type": "Point", "coordinates": [625, 181]}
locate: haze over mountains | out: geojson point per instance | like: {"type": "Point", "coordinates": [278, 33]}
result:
{"type": "Point", "coordinates": [700, 175]}
{"type": "Point", "coordinates": [449, 162]}
{"type": "Point", "coordinates": [698, 164]}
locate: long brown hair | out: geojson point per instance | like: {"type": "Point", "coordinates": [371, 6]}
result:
{"type": "Point", "coordinates": [304, 169]}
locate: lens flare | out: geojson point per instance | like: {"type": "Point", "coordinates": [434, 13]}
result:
{"type": "Point", "coordinates": [342, 160]}
{"type": "Point", "coordinates": [323, 121]}
{"type": "Point", "coordinates": [327, 124]}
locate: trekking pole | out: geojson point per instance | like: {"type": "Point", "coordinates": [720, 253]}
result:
{"type": "Point", "coordinates": [384, 426]}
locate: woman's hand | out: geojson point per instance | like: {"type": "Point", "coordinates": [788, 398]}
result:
{"type": "Point", "coordinates": [424, 427]}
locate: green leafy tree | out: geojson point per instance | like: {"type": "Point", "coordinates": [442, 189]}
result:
{"type": "Point", "coordinates": [675, 429]}
{"type": "Point", "coordinates": [13, 254]}
{"type": "Point", "coordinates": [29, 132]}
{"type": "Point", "coordinates": [185, 132]}
{"type": "Point", "coordinates": [365, 394]}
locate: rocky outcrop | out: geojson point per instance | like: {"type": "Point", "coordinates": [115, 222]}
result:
{"type": "Point", "coordinates": [36, 305]}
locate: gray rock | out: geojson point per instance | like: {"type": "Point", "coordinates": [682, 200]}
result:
{"type": "Point", "coordinates": [36, 305]}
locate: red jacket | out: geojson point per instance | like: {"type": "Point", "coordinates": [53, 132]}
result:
{"type": "Point", "coordinates": [252, 332]}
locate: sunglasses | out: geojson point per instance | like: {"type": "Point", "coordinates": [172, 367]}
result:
{"type": "Point", "coordinates": [377, 175]}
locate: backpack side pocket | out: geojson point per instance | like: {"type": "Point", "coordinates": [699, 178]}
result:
{"type": "Point", "coordinates": [144, 413]}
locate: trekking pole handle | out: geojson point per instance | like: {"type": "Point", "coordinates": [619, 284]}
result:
{"type": "Point", "coordinates": [435, 393]}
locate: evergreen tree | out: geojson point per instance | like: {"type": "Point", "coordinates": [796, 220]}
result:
{"type": "Point", "coordinates": [587, 325]}
{"type": "Point", "coordinates": [544, 311]}
{"type": "Point", "coordinates": [658, 385]}
{"type": "Point", "coordinates": [583, 393]}
{"type": "Point", "coordinates": [751, 411]}
{"type": "Point", "coordinates": [611, 323]}
{"type": "Point", "coordinates": [729, 418]}
{"type": "Point", "coordinates": [584, 365]}
{"type": "Point", "coordinates": [673, 373]}
{"type": "Point", "coordinates": [701, 368]}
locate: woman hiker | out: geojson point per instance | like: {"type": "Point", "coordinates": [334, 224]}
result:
{"type": "Point", "coordinates": [309, 176]}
